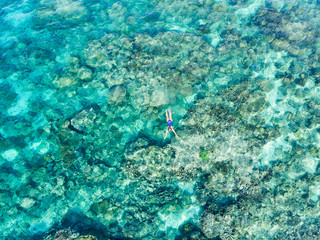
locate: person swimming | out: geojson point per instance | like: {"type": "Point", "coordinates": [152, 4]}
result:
{"type": "Point", "coordinates": [170, 121]}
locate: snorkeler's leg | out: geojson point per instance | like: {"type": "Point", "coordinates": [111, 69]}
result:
{"type": "Point", "coordinates": [170, 114]}
{"type": "Point", "coordinates": [175, 133]}
{"type": "Point", "coordinates": [166, 134]}
{"type": "Point", "coordinates": [167, 115]}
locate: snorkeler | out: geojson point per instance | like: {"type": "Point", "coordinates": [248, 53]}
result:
{"type": "Point", "coordinates": [169, 120]}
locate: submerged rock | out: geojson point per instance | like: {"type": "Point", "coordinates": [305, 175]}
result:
{"type": "Point", "coordinates": [84, 74]}
{"type": "Point", "coordinates": [84, 121]}
{"type": "Point", "coordinates": [66, 234]}
{"type": "Point", "coordinates": [117, 95]}
{"type": "Point", "coordinates": [64, 82]}
{"type": "Point", "coordinates": [101, 207]}
{"type": "Point", "coordinates": [159, 98]}
{"type": "Point", "coordinates": [69, 234]}
{"type": "Point", "coordinates": [87, 237]}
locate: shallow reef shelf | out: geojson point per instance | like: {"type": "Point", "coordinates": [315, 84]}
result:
{"type": "Point", "coordinates": [84, 87]}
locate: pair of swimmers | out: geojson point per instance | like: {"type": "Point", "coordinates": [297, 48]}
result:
{"type": "Point", "coordinates": [169, 120]}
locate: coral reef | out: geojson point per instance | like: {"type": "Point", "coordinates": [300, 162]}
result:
{"type": "Point", "coordinates": [84, 88]}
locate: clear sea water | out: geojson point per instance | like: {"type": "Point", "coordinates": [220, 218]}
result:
{"type": "Point", "coordinates": [84, 87]}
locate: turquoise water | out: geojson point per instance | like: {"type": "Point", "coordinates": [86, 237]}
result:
{"type": "Point", "coordinates": [84, 86]}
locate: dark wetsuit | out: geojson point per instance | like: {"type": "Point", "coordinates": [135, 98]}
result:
{"type": "Point", "coordinates": [169, 124]}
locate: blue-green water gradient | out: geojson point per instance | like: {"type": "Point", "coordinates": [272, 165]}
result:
{"type": "Point", "coordinates": [84, 87]}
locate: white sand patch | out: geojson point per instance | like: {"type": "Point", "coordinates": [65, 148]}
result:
{"type": "Point", "coordinates": [251, 9]}
{"type": "Point", "coordinates": [186, 187]}
{"type": "Point", "coordinates": [315, 192]}
{"type": "Point", "coordinates": [174, 220]}
{"type": "Point", "coordinates": [21, 105]}
{"type": "Point", "coordinates": [269, 154]}
{"type": "Point", "coordinates": [40, 147]}
{"type": "Point", "coordinates": [10, 154]}
{"type": "Point", "coordinates": [18, 17]}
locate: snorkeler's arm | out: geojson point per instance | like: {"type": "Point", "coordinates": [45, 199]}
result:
{"type": "Point", "coordinates": [175, 132]}
{"type": "Point", "coordinates": [166, 134]}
